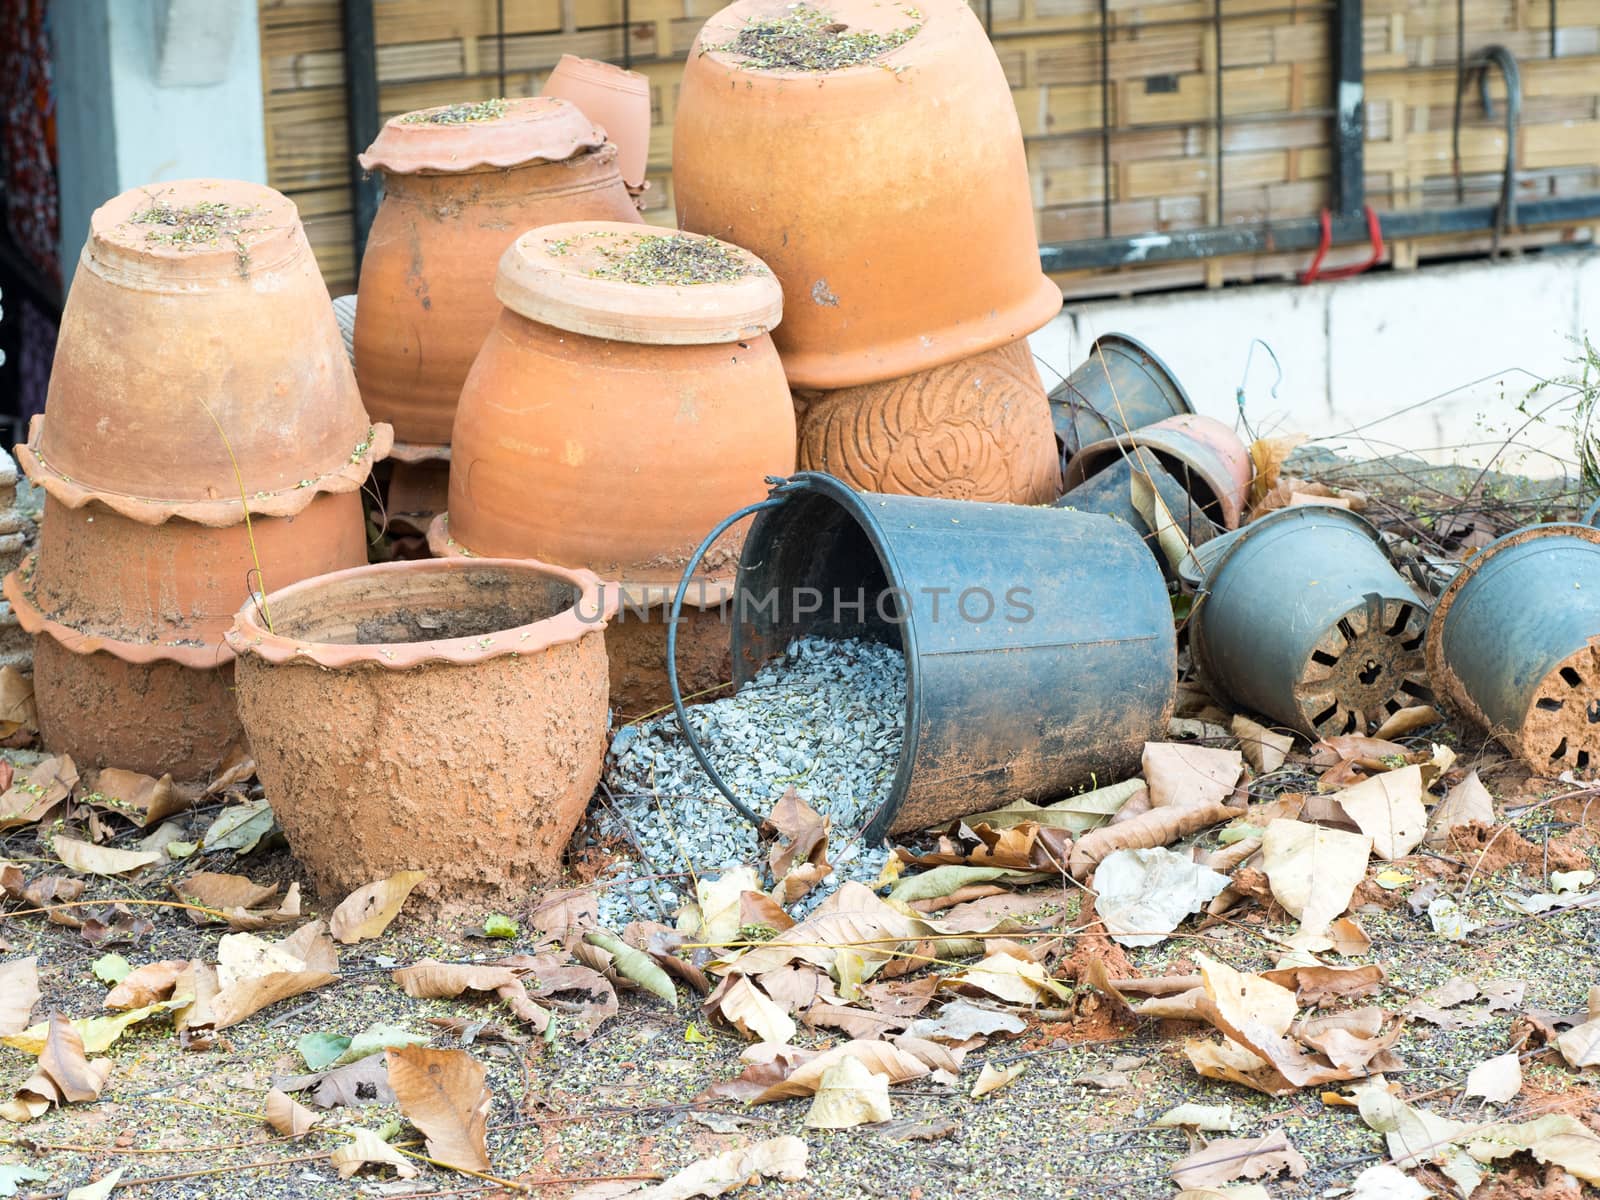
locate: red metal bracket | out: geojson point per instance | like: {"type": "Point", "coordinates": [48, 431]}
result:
{"type": "Point", "coordinates": [1374, 232]}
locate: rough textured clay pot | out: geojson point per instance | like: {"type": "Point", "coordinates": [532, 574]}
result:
{"type": "Point", "coordinates": [656, 408]}
{"type": "Point", "coordinates": [447, 716]}
{"type": "Point", "coordinates": [973, 430]}
{"type": "Point", "coordinates": [1120, 387]}
{"type": "Point", "coordinates": [1202, 453]}
{"type": "Point", "coordinates": [616, 100]}
{"type": "Point", "coordinates": [865, 188]}
{"type": "Point", "coordinates": [1514, 646]}
{"type": "Point", "coordinates": [456, 192]}
{"type": "Point", "coordinates": [193, 295]}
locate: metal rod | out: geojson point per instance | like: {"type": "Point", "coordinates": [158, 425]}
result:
{"type": "Point", "coordinates": [627, 35]}
{"type": "Point", "coordinates": [1216, 9]}
{"type": "Point", "coordinates": [1105, 116]}
{"type": "Point", "coordinates": [1350, 125]}
{"type": "Point", "coordinates": [500, 43]}
{"type": "Point", "coordinates": [361, 114]}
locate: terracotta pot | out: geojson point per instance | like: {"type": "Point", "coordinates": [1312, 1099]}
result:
{"type": "Point", "coordinates": [891, 198]}
{"type": "Point", "coordinates": [174, 587]}
{"type": "Point", "coordinates": [616, 100]}
{"type": "Point", "coordinates": [167, 321]}
{"type": "Point", "coordinates": [157, 717]}
{"type": "Point", "coordinates": [657, 408]}
{"type": "Point", "coordinates": [455, 195]}
{"type": "Point", "coordinates": [417, 493]}
{"type": "Point", "coordinates": [973, 430]}
{"type": "Point", "coordinates": [1200, 452]}
{"type": "Point", "coordinates": [442, 716]}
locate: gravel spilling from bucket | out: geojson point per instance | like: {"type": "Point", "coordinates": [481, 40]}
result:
{"type": "Point", "coordinates": [824, 718]}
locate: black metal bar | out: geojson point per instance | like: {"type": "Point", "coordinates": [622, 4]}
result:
{"type": "Point", "coordinates": [1553, 23]}
{"type": "Point", "coordinates": [361, 113]}
{"type": "Point", "coordinates": [1350, 119]}
{"type": "Point", "coordinates": [988, 17]}
{"type": "Point", "coordinates": [627, 35]}
{"type": "Point", "coordinates": [500, 44]}
{"type": "Point", "coordinates": [1304, 234]}
{"type": "Point", "coordinates": [1216, 102]}
{"type": "Point", "coordinates": [1105, 116]}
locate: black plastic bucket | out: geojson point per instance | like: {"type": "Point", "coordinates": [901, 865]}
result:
{"type": "Point", "coordinates": [1039, 644]}
{"type": "Point", "coordinates": [1110, 493]}
{"type": "Point", "coordinates": [1120, 387]}
{"type": "Point", "coordinates": [1301, 616]}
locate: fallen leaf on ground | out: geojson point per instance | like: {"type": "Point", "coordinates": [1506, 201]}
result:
{"type": "Point", "coordinates": [1449, 920]}
{"type": "Point", "coordinates": [88, 859]}
{"type": "Point", "coordinates": [799, 857]}
{"type": "Point", "coordinates": [1014, 980]}
{"type": "Point", "coordinates": [233, 895]}
{"type": "Point", "coordinates": [111, 969]}
{"type": "Point", "coordinates": [366, 912]}
{"type": "Point", "coordinates": [635, 965]}
{"type": "Point", "coordinates": [1313, 983]}
{"type": "Point", "coordinates": [749, 1010]}
{"type": "Point", "coordinates": [718, 903]}
{"type": "Point", "coordinates": [1227, 1159]}
{"type": "Point", "coordinates": [288, 1116]}
{"type": "Point", "coordinates": [19, 992]}
{"type": "Point", "coordinates": [1388, 809]}
{"type": "Point", "coordinates": [942, 881]}
{"type": "Point", "coordinates": [11, 1174]}
{"type": "Point", "coordinates": [17, 709]}
{"type": "Point", "coordinates": [366, 1149]}
{"type": "Point", "coordinates": [498, 925]}
{"type": "Point", "coordinates": [992, 1079]}
{"type": "Point", "coordinates": [852, 918]}
{"type": "Point", "coordinates": [565, 914]}
{"type": "Point", "coordinates": [99, 1189]}
{"type": "Point", "coordinates": [364, 1082]}
{"type": "Point", "coordinates": [1158, 827]}
{"type": "Point", "coordinates": [1208, 1118]}
{"type": "Point", "coordinates": [1554, 1138]}
{"type": "Point", "coordinates": [1263, 748]}
{"type": "Point", "coordinates": [240, 827]}
{"type": "Point", "coordinates": [1405, 720]}
{"type": "Point", "coordinates": [1383, 1181]}
{"type": "Point", "coordinates": [98, 1033]}
{"type": "Point", "coordinates": [444, 1094]}
{"type": "Point", "coordinates": [29, 801]}
{"type": "Point", "coordinates": [252, 973]}
{"type": "Point", "coordinates": [139, 798]}
{"type": "Point", "coordinates": [1463, 804]}
{"type": "Point", "coordinates": [64, 1061]}
{"type": "Point", "coordinates": [1313, 871]}
{"type": "Point", "coordinates": [149, 984]}
{"type": "Point", "coordinates": [776, 1158]}
{"type": "Point", "coordinates": [1184, 776]}
{"type": "Point", "coordinates": [1349, 939]}
{"type": "Point", "coordinates": [1144, 894]}
{"type": "Point", "coordinates": [879, 1057]}
{"type": "Point", "coordinates": [849, 1094]}
{"type": "Point", "coordinates": [1497, 1080]}
{"type": "Point", "coordinates": [1076, 814]}
{"type": "Point", "coordinates": [961, 1020]}
{"type": "Point", "coordinates": [1580, 1045]}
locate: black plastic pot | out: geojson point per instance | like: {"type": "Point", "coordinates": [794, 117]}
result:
{"type": "Point", "coordinates": [1110, 493]}
{"type": "Point", "coordinates": [1039, 645]}
{"type": "Point", "coordinates": [1514, 645]}
{"type": "Point", "coordinates": [1121, 386]}
{"type": "Point", "coordinates": [1301, 616]}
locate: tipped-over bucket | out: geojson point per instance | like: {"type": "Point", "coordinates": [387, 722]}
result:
{"type": "Point", "coordinates": [1120, 387]}
{"type": "Point", "coordinates": [1039, 645]}
{"type": "Point", "coordinates": [1111, 492]}
{"type": "Point", "coordinates": [1301, 617]}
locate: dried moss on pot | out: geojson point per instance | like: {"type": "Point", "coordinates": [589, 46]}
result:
{"type": "Point", "coordinates": [674, 260]}
{"type": "Point", "coordinates": [810, 39]}
{"type": "Point", "coordinates": [458, 114]}
{"type": "Point", "coordinates": [192, 226]}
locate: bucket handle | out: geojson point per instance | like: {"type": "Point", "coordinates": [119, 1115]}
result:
{"type": "Point", "coordinates": [780, 487]}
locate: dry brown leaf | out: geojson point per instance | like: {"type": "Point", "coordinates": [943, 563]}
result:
{"type": "Point", "coordinates": [1014, 980]}
{"type": "Point", "coordinates": [225, 893]}
{"type": "Point", "coordinates": [146, 985]}
{"type": "Point", "coordinates": [19, 992]}
{"type": "Point", "coordinates": [1407, 720]}
{"type": "Point", "coordinates": [431, 980]}
{"type": "Point", "coordinates": [749, 1010]}
{"type": "Point", "coordinates": [88, 859]}
{"type": "Point", "coordinates": [799, 858]}
{"type": "Point", "coordinates": [444, 1094]}
{"type": "Point", "coordinates": [1388, 809]}
{"type": "Point", "coordinates": [1313, 871]}
{"type": "Point", "coordinates": [64, 1061]}
{"type": "Point", "coordinates": [236, 767]}
{"type": "Point", "coordinates": [29, 801]}
{"type": "Point", "coordinates": [1158, 827]}
{"type": "Point", "coordinates": [1227, 1159]}
{"type": "Point", "coordinates": [849, 1094]}
{"type": "Point", "coordinates": [778, 1158]}
{"type": "Point", "coordinates": [17, 710]}
{"type": "Point", "coordinates": [852, 917]}
{"type": "Point", "coordinates": [992, 1078]}
{"type": "Point", "coordinates": [251, 974]}
{"type": "Point", "coordinates": [33, 1099]}
{"type": "Point", "coordinates": [933, 1055]}
{"type": "Point", "coordinates": [366, 912]}
{"type": "Point", "coordinates": [760, 909]}
{"type": "Point", "coordinates": [1496, 1080]}
{"type": "Point", "coordinates": [852, 1022]}
{"type": "Point", "coordinates": [1349, 939]}
{"type": "Point", "coordinates": [1463, 804]}
{"type": "Point", "coordinates": [1314, 983]}
{"type": "Point", "coordinates": [566, 915]}
{"type": "Point", "coordinates": [880, 1057]}
{"type": "Point", "coordinates": [1580, 1045]}
{"type": "Point", "coordinates": [1267, 457]}
{"type": "Point", "coordinates": [1185, 776]}
{"type": "Point", "coordinates": [288, 1116]}
{"type": "Point", "coordinates": [798, 988]}
{"type": "Point", "coordinates": [1263, 748]}
{"type": "Point", "coordinates": [139, 798]}
{"type": "Point", "coordinates": [366, 1149]}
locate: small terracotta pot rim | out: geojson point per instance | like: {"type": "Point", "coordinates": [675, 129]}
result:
{"type": "Point", "coordinates": [198, 656]}
{"type": "Point", "coordinates": [249, 636]}
{"type": "Point", "coordinates": [703, 592]}
{"type": "Point", "coordinates": [594, 70]}
{"type": "Point", "coordinates": [149, 510]}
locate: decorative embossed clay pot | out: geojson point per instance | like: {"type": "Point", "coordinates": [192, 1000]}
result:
{"type": "Point", "coordinates": [198, 340]}
{"type": "Point", "coordinates": [456, 193]}
{"type": "Point", "coordinates": [616, 100]}
{"type": "Point", "coordinates": [890, 197]}
{"type": "Point", "coordinates": [973, 430]}
{"type": "Point", "coordinates": [655, 407]}
{"type": "Point", "coordinates": [447, 716]}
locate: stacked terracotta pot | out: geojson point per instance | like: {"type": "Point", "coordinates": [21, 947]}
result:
{"type": "Point", "coordinates": [870, 154]}
{"type": "Point", "coordinates": [460, 182]}
{"type": "Point", "coordinates": [628, 399]}
{"type": "Point", "coordinates": [203, 439]}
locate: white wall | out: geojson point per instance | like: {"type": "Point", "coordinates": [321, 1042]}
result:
{"type": "Point", "coordinates": [1363, 357]}
{"type": "Point", "coordinates": [120, 126]}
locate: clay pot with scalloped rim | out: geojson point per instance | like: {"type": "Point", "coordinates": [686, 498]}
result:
{"type": "Point", "coordinates": [456, 193]}
{"type": "Point", "coordinates": [890, 197]}
{"type": "Point", "coordinates": [655, 405]}
{"type": "Point", "coordinates": [447, 716]}
{"type": "Point", "coordinates": [198, 340]}
{"type": "Point", "coordinates": [979, 429]}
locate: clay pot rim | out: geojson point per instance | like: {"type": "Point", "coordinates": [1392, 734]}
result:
{"type": "Point", "coordinates": [197, 655]}
{"type": "Point", "coordinates": [1198, 430]}
{"type": "Point", "coordinates": [418, 452]}
{"type": "Point", "coordinates": [595, 70]}
{"type": "Point", "coordinates": [734, 62]}
{"type": "Point", "coordinates": [149, 510]}
{"type": "Point", "coordinates": [248, 636]}
{"type": "Point", "coordinates": [703, 592]}
{"type": "Point", "coordinates": [128, 260]}
{"type": "Point", "coordinates": [534, 129]}
{"type": "Point", "coordinates": [543, 284]}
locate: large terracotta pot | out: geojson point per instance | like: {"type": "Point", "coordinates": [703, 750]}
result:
{"type": "Point", "coordinates": [610, 424]}
{"type": "Point", "coordinates": [974, 430]}
{"type": "Point", "coordinates": [890, 197]}
{"type": "Point", "coordinates": [447, 716]}
{"type": "Point", "coordinates": [176, 585]}
{"type": "Point", "coordinates": [616, 100]}
{"type": "Point", "coordinates": [456, 192]}
{"type": "Point", "coordinates": [198, 358]}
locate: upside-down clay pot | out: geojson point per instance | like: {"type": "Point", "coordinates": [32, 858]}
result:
{"type": "Point", "coordinates": [456, 193]}
{"type": "Point", "coordinates": [199, 358]}
{"type": "Point", "coordinates": [1202, 453]}
{"type": "Point", "coordinates": [447, 716]}
{"type": "Point", "coordinates": [616, 100]}
{"type": "Point", "coordinates": [609, 423]}
{"type": "Point", "coordinates": [890, 197]}
{"type": "Point", "coordinates": [974, 430]}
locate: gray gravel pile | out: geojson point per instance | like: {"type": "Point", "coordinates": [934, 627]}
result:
{"type": "Point", "coordinates": [824, 718]}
